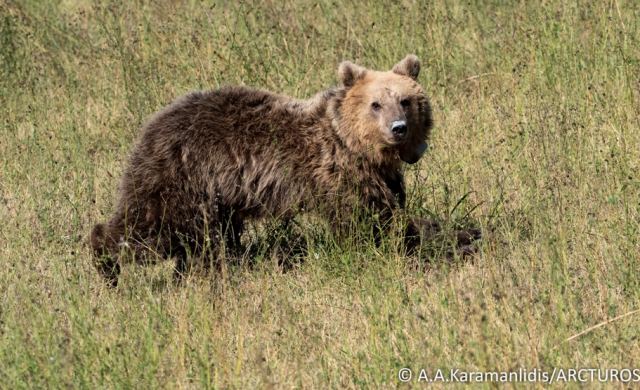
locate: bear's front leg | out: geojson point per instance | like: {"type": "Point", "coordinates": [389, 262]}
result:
{"type": "Point", "coordinates": [424, 230]}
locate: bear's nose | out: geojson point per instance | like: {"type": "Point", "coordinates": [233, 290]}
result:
{"type": "Point", "coordinates": [399, 129]}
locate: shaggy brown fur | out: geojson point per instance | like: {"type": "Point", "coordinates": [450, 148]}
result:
{"type": "Point", "coordinates": [211, 160]}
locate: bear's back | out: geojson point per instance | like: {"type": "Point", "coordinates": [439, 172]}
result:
{"type": "Point", "coordinates": [251, 147]}
{"type": "Point", "coordinates": [234, 113]}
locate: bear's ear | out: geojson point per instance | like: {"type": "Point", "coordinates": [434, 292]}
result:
{"type": "Point", "coordinates": [349, 73]}
{"type": "Point", "coordinates": [409, 67]}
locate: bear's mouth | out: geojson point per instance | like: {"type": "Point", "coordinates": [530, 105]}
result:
{"type": "Point", "coordinates": [392, 141]}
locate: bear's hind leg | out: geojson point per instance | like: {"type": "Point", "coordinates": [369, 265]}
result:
{"type": "Point", "coordinates": [106, 253]}
{"type": "Point", "coordinates": [181, 268]}
{"type": "Point", "coordinates": [232, 231]}
{"type": "Point", "coordinates": [193, 247]}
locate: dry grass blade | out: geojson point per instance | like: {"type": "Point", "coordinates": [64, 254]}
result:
{"type": "Point", "coordinates": [600, 325]}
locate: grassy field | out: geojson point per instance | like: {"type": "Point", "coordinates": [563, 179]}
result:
{"type": "Point", "coordinates": [537, 110]}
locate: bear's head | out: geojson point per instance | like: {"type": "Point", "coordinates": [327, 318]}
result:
{"type": "Point", "coordinates": [385, 114]}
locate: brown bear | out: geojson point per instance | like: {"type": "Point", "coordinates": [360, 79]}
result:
{"type": "Point", "coordinates": [211, 160]}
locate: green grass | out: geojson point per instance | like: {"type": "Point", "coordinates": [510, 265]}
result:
{"type": "Point", "coordinates": [537, 111]}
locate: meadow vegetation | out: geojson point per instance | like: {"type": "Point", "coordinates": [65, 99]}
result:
{"type": "Point", "coordinates": [536, 140]}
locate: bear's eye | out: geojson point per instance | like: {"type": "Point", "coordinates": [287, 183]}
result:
{"type": "Point", "coordinates": [375, 106]}
{"type": "Point", "coordinates": [405, 103]}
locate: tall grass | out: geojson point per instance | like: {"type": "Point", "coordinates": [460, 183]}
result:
{"type": "Point", "coordinates": [537, 109]}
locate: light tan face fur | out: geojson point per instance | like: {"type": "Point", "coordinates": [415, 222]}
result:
{"type": "Point", "coordinates": [388, 111]}
{"type": "Point", "coordinates": [385, 99]}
